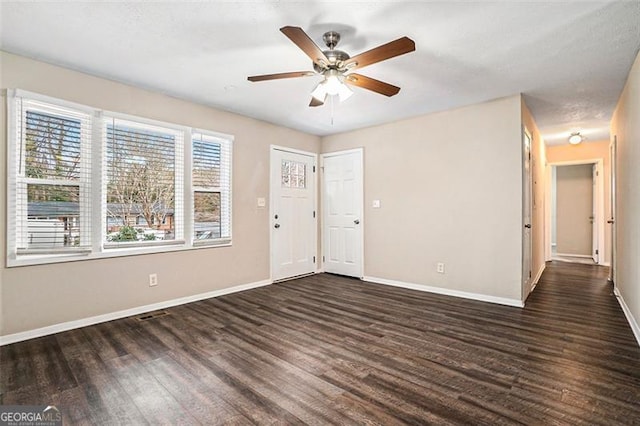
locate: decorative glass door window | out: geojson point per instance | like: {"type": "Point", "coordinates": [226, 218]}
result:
{"type": "Point", "coordinates": [294, 174]}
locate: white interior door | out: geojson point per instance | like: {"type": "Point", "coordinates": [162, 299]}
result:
{"type": "Point", "coordinates": [293, 217]}
{"type": "Point", "coordinates": [342, 213]}
{"type": "Point", "coordinates": [526, 208]}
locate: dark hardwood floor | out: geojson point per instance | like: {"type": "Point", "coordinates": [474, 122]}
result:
{"type": "Point", "coordinates": [334, 350]}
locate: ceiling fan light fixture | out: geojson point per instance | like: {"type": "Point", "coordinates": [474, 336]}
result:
{"type": "Point", "coordinates": [344, 92]}
{"type": "Point", "coordinates": [332, 82]}
{"type": "Point", "coordinates": [320, 92]}
{"type": "Point", "coordinates": [332, 85]}
{"type": "Point", "coordinates": [575, 138]}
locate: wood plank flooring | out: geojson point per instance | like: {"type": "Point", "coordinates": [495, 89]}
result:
{"type": "Point", "coordinates": [333, 350]}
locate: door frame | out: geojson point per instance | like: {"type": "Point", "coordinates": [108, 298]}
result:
{"type": "Point", "coordinates": [527, 283]}
{"type": "Point", "coordinates": [362, 212]}
{"type": "Point", "coordinates": [599, 213]}
{"type": "Point", "coordinates": [613, 147]}
{"type": "Point", "coordinates": [272, 149]}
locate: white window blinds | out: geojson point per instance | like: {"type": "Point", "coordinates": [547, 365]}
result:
{"type": "Point", "coordinates": [143, 193]}
{"type": "Point", "coordinates": [52, 182]}
{"type": "Point", "coordinates": [211, 184]}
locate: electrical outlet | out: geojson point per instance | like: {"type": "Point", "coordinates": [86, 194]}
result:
{"type": "Point", "coordinates": [153, 280]}
{"type": "Point", "coordinates": [440, 268]}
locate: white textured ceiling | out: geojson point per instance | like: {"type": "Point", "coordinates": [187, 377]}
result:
{"type": "Point", "coordinates": [570, 59]}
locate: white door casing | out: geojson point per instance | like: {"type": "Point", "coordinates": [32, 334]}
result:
{"type": "Point", "coordinates": [292, 209]}
{"type": "Point", "coordinates": [342, 204]}
{"type": "Point", "coordinates": [612, 206]}
{"type": "Point", "coordinates": [527, 191]}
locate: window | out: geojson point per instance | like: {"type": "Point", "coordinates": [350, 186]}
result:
{"type": "Point", "coordinates": [141, 170]}
{"type": "Point", "coordinates": [211, 185]}
{"type": "Point", "coordinates": [294, 174]}
{"type": "Point", "coordinates": [52, 179]}
{"type": "Point", "coordinates": [83, 183]}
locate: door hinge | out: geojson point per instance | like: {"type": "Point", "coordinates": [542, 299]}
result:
{"type": "Point", "coordinates": [314, 169]}
{"type": "Point", "coordinates": [323, 258]}
{"type": "Point", "coordinates": [314, 259]}
{"type": "Point", "coordinates": [529, 274]}
{"type": "Point", "coordinates": [314, 213]}
{"type": "Point", "coordinates": [597, 251]}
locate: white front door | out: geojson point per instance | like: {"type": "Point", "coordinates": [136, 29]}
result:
{"type": "Point", "coordinates": [342, 212]}
{"type": "Point", "coordinates": [293, 217]}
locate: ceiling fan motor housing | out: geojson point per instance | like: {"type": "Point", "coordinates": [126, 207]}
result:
{"type": "Point", "coordinates": [336, 57]}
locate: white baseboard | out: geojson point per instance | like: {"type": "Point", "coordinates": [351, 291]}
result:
{"type": "Point", "coordinates": [605, 264]}
{"type": "Point", "coordinates": [627, 313]}
{"type": "Point", "coordinates": [538, 275]}
{"type": "Point", "coordinates": [447, 292]}
{"type": "Point", "coordinates": [586, 256]}
{"type": "Point", "coordinates": [70, 325]}
{"type": "Point", "coordinates": [535, 280]}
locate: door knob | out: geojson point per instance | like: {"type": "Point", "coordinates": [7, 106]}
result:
{"type": "Point", "coordinates": [528, 226]}
{"type": "Point", "coordinates": [357, 221]}
{"type": "Point", "coordinates": [611, 221]}
{"type": "Point", "coordinates": [277, 225]}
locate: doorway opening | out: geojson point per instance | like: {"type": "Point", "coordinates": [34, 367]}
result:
{"type": "Point", "coordinates": [576, 212]}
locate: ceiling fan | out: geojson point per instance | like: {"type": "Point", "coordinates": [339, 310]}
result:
{"type": "Point", "coordinates": [336, 65]}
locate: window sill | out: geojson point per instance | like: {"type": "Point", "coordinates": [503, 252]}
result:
{"type": "Point", "coordinates": [107, 253]}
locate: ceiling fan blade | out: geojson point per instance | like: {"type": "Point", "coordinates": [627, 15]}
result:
{"type": "Point", "coordinates": [280, 75]}
{"type": "Point", "coordinates": [304, 42]}
{"type": "Point", "coordinates": [372, 84]}
{"type": "Point", "coordinates": [314, 102]}
{"type": "Point", "coordinates": [386, 51]}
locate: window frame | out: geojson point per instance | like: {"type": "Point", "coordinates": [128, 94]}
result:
{"type": "Point", "coordinates": [180, 132]}
{"type": "Point", "coordinates": [226, 149]}
{"type": "Point", "coordinates": [82, 183]}
{"type": "Point", "coordinates": [95, 190]}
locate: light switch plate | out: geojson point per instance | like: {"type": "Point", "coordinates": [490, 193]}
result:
{"type": "Point", "coordinates": [262, 202]}
{"type": "Point", "coordinates": [376, 204]}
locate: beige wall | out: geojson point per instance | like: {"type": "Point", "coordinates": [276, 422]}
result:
{"type": "Point", "coordinates": [450, 186]}
{"type": "Point", "coordinates": [574, 204]}
{"type": "Point", "coordinates": [37, 296]}
{"type": "Point", "coordinates": [538, 164]}
{"type": "Point", "coordinates": [626, 127]}
{"type": "Point", "coordinates": [589, 151]}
